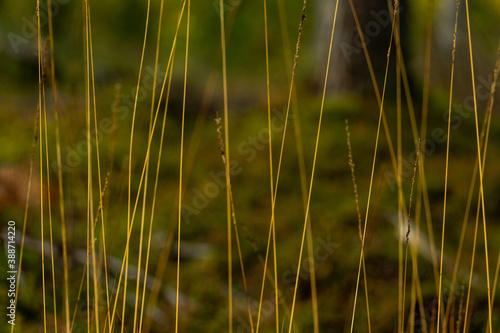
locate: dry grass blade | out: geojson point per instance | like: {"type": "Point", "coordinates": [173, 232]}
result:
{"type": "Point", "coordinates": [145, 190]}
{"type": "Point", "coordinates": [315, 154]}
{"type": "Point", "coordinates": [180, 172]}
{"type": "Point", "coordinates": [302, 166]}
{"type": "Point", "coordinates": [73, 132]}
{"type": "Point", "coordinates": [49, 208]}
{"type": "Point", "coordinates": [271, 226]}
{"type": "Point", "coordinates": [481, 166]}
{"type": "Point", "coordinates": [276, 293]}
{"type": "Point", "coordinates": [40, 85]}
{"type": "Point", "coordinates": [100, 208]}
{"type": "Point", "coordinates": [228, 181]}
{"type": "Point", "coordinates": [480, 203]}
{"type": "Point", "coordinates": [373, 170]}
{"type": "Point", "coordinates": [360, 228]}
{"type": "Point", "coordinates": [218, 121]}
{"type": "Point", "coordinates": [388, 135]}
{"type": "Point", "coordinates": [59, 163]}
{"type": "Point", "coordinates": [163, 258]}
{"type": "Point", "coordinates": [484, 142]}
{"type": "Point", "coordinates": [129, 231]}
{"type": "Point", "coordinates": [153, 96]}
{"type": "Point", "coordinates": [408, 237]}
{"type": "Point", "coordinates": [353, 177]}
{"type": "Point", "coordinates": [129, 221]}
{"type": "Point", "coordinates": [446, 169]}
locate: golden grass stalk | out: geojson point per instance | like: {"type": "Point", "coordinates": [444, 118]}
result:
{"type": "Point", "coordinates": [301, 160]}
{"type": "Point", "coordinates": [180, 171]}
{"type": "Point", "coordinates": [314, 158]}
{"type": "Point", "coordinates": [228, 181]}
{"type": "Point", "coordinates": [144, 197]}
{"type": "Point", "coordinates": [189, 161]}
{"type": "Point", "coordinates": [360, 228]}
{"type": "Point", "coordinates": [481, 165]}
{"type": "Point", "coordinates": [48, 198]}
{"type": "Point", "coordinates": [480, 203]}
{"type": "Point", "coordinates": [101, 190]}
{"type": "Point", "coordinates": [89, 192]}
{"type": "Point", "coordinates": [129, 222]}
{"type": "Point", "coordinates": [399, 147]}
{"type": "Point", "coordinates": [40, 85]}
{"type": "Point", "coordinates": [276, 300]}
{"type": "Point", "coordinates": [484, 142]}
{"type": "Point", "coordinates": [373, 169]}
{"type": "Point", "coordinates": [388, 135]}
{"type": "Point", "coordinates": [59, 168]}
{"type": "Point", "coordinates": [163, 258]}
{"type": "Point", "coordinates": [233, 216]}
{"type": "Point", "coordinates": [300, 153]}
{"type": "Point", "coordinates": [389, 141]}
{"type": "Point", "coordinates": [297, 47]}
{"type": "Point", "coordinates": [153, 95]}
{"type": "Point", "coordinates": [446, 169]}
{"type": "Point", "coordinates": [488, 112]}
{"type": "Point", "coordinates": [129, 231]}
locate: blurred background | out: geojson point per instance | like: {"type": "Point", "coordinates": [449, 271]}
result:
{"type": "Point", "coordinates": [117, 29]}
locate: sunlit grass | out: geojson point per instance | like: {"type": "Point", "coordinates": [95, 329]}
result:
{"type": "Point", "coordinates": [104, 266]}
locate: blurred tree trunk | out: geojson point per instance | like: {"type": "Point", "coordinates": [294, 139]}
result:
{"type": "Point", "coordinates": [348, 67]}
{"type": "Point", "coordinates": [324, 12]}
